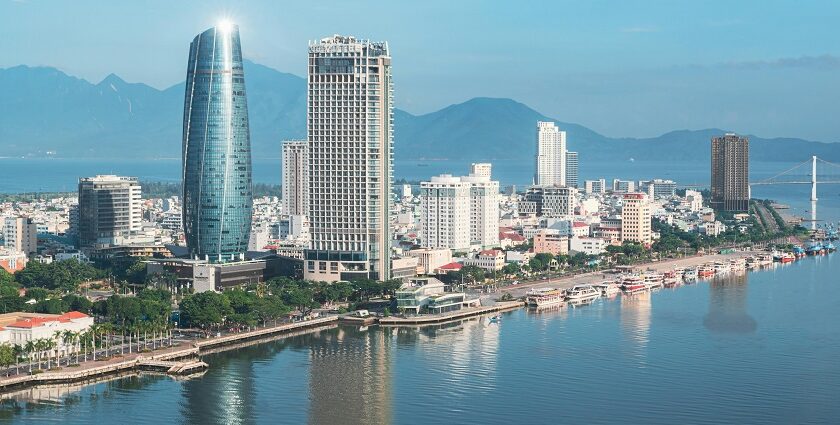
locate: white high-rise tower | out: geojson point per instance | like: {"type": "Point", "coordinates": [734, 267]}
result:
{"type": "Point", "coordinates": [350, 137]}
{"type": "Point", "coordinates": [551, 155]}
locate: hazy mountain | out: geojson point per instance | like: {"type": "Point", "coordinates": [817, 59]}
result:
{"type": "Point", "coordinates": [42, 109]}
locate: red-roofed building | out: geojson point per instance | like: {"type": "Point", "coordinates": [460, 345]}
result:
{"type": "Point", "coordinates": [20, 328]}
{"type": "Point", "coordinates": [12, 261]}
{"type": "Point", "coordinates": [451, 267]}
{"type": "Point", "coordinates": [490, 260]}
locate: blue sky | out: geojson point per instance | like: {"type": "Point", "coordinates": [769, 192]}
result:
{"type": "Point", "coordinates": [623, 68]}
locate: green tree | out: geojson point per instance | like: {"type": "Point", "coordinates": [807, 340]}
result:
{"type": "Point", "coordinates": [7, 356]}
{"type": "Point", "coordinates": [205, 309]}
{"type": "Point", "coordinates": [301, 299]}
{"type": "Point", "coordinates": [6, 278]}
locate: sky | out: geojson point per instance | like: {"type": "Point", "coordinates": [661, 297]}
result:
{"type": "Point", "coordinates": [623, 68]}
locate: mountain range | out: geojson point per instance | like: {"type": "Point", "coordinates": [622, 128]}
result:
{"type": "Point", "coordinates": [44, 111]}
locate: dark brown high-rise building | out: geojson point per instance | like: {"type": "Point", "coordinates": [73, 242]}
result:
{"type": "Point", "coordinates": [730, 173]}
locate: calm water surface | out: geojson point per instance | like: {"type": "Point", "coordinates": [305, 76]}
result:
{"type": "Point", "coordinates": [754, 348]}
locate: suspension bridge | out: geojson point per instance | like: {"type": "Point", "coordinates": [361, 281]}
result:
{"type": "Point", "coordinates": [813, 171]}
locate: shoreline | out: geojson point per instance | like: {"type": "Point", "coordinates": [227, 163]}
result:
{"type": "Point", "coordinates": [168, 361]}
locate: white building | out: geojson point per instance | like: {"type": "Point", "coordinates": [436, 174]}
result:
{"type": "Point", "coordinates": [20, 328]}
{"type": "Point", "coordinates": [428, 260]}
{"type": "Point", "coordinates": [481, 169]}
{"type": "Point", "coordinates": [445, 212]}
{"type": "Point", "coordinates": [350, 138]}
{"type": "Point", "coordinates": [636, 218]}
{"type": "Point", "coordinates": [490, 260]}
{"type": "Point", "coordinates": [587, 245]}
{"type": "Point", "coordinates": [595, 186]}
{"type": "Point", "coordinates": [694, 200]}
{"type": "Point", "coordinates": [460, 212]}
{"type": "Point", "coordinates": [551, 155]}
{"type": "Point", "coordinates": [110, 210]}
{"type": "Point", "coordinates": [20, 234]}
{"type": "Point", "coordinates": [623, 186]}
{"type": "Point", "coordinates": [295, 179]}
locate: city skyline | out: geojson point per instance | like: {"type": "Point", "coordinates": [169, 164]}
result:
{"type": "Point", "coordinates": [674, 61]}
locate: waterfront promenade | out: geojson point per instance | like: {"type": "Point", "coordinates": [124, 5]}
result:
{"type": "Point", "coordinates": [179, 358]}
{"type": "Point", "coordinates": [566, 282]}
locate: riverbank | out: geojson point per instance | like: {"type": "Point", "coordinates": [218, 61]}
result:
{"type": "Point", "coordinates": [176, 360]}
{"type": "Point", "coordinates": [597, 277]}
{"type": "Point", "coordinates": [451, 316]}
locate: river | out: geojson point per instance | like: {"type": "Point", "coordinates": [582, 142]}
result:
{"type": "Point", "coordinates": [754, 348]}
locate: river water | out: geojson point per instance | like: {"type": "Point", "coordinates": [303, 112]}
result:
{"type": "Point", "coordinates": [754, 348]}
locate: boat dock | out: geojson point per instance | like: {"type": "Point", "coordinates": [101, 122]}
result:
{"type": "Point", "coordinates": [446, 317]}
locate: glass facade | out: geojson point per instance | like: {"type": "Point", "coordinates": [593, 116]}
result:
{"type": "Point", "coordinates": [216, 148]}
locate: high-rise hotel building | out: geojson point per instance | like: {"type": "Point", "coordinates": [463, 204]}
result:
{"type": "Point", "coordinates": [350, 136]}
{"type": "Point", "coordinates": [730, 173]}
{"type": "Point", "coordinates": [216, 148]}
{"type": "Point", "coordinates": [551, 155]}
{"type": "Point", "coordinates": [636, 218]}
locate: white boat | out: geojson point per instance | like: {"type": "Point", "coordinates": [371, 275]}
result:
{"type": "Point", "coordinates": [633, 283]}
{"type": "Point", "coordinates": [765, 260]}
{"type": "Point", "coordinates": [737, 264]}
{"type": "Point", "coordinates": [690, 274]}
{"type": "Point", "coordinates": [582, 293]}
{"type": "Point", "coordinates": [653, 280]}
{"type": "Point", "coordinates": [721, 267]}
{"type": "Point", "coordinates": [608, 288]}
{"type": "Point", "coordinates": [544, 297]}
{"type": "Point", "coordinates": [679, 271]}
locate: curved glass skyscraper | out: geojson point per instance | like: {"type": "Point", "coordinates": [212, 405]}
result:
{"type": "Point", "coordinates": [216, 148]}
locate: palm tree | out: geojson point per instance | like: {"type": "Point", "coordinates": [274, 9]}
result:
{"type": "Point", "coordinates": [68, 339]}
{"type": "Point", "coordinates": [29, 348]}
{"type": "Point", "coordinates": [40, 345]}
{"type": "Point", "coordinates": [93, 331]}
{"type": "Point", "coordinates": [57, 335]}
{"type": "Point", "coordinates": [18, 350]}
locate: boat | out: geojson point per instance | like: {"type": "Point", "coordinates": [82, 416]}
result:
{"type": "Point", "coordinates": [690, 274]}
{"type": "Point", "coordinates": [828, 246]}
{"type": "Point", "coordinates": [721, 267]}
{"type": "Point", "coordinates": [765, 260]}
{"type": "Point", "coordinates": [495, 319]}
{"type": "Point", "coordinates": [654, 280]}
{"type": "Point", "coordinates": [670, 282]}
{"type": "Point", "coordinates": [582, 293]}
{"type": "Point", "coordinates": [608, 288]}
{"type": "Point", "coordinates": [798, 251]}
{"type": "Point", "coordinates": [633, 283]}
{"type": "Point", "coordinates": [752, 263]}
{"type": "Point", "coordinates": [814, 248]}
{"type": "Point", "coordinates": [543, 297]}
{"type": "Point", "coordinates": [787, 257]}
{"type": "Point", "coordinates": [706, 271]}
{"type": "Point", "coordinates": [737, 264]}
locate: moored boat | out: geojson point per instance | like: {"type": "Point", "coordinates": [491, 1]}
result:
{"type": "Point", "coordinates": [633, 283]}
{"type": "Point", "coordinates": [653, 280]}
{"type": "Point", "coordinates": [543, 297]}
{"type": "Point", "coordinates": [582, 293]}
{"type": "Point", "coordinates": [608, 288]}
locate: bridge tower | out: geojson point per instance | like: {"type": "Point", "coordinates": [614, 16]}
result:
{"type": "Point", "coordinates": [814, 178]}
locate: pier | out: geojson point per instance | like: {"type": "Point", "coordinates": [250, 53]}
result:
{"type": "Point", "coordinates": [446, 317]}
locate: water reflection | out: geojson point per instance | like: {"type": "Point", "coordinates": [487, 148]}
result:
{"type": "Point", "coordinates": [728, 305]}
{"type": "Point", "coordinates": [350, 376]}
{"type": "Point", "coordinates": [635, 321]}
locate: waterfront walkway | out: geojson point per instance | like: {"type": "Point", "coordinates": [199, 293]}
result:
{"type": "Point", "coordinates": [157, 359]}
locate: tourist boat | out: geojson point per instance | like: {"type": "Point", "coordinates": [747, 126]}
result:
{"type": "Point", "coordinates": [737, 264]}
{"type": "Point", "coordinates": [582, 293]}
{"type": "Point", "coordinates": [721, 267]}
{"type": "Point", "coordinates": [543, 297]}
{"type": "Point", "coordinates": [752, 263]}
{"type": "Point", "coordinates": [690, 274]}
{"type": "Point", "coordinates": [765, 260]}
{"type": "Point", "coordinates": [633, 283]}
{"type": "Point", "coordinates": [653, 280]}
{"type": "Point", "coordinates": [798, 251]}
{"type": "Point", "coordinates": [670, 282]}
{"type": "Point", "coordinates": [706, 271]}
{"type": "Point", "coordinates": [608, 288]}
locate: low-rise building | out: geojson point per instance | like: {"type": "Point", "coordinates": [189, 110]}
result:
{"type": "Point", "coordinates": [587, 245]}
{"type": "Point", "coordinates": [429, 259]}
{"type": "Point", "coordinates": [490, 260]}
{"type": "Point", "coordinates": [551, 243]}
{"type": "Point", "coordinates": [19, 328]}
{"type": "Point", "coordinates": [12, 261]}
{"type": "Point", "coordinates": [429, 295]}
